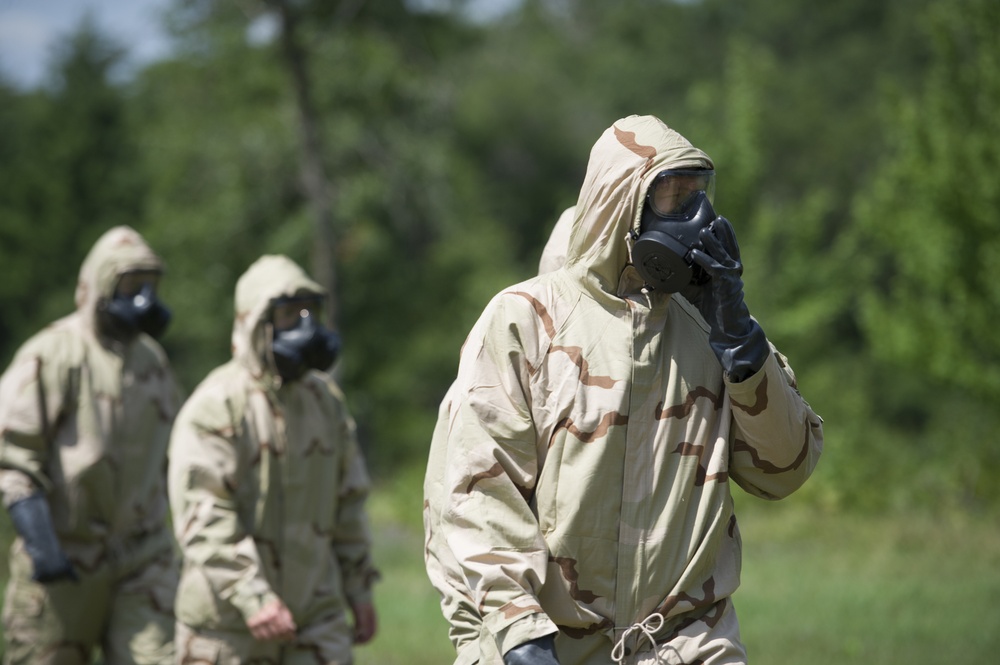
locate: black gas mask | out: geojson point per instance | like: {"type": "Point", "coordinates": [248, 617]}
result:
{"type": "Point", "coordinates": [677, 207]}
{"type": "Point", "coordinates": [134, 310]}
{"type": "Point", "coordinates": [305, 345]}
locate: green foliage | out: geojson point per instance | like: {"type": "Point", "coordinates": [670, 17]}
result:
{"type": "Point", "coordinates": [856, 149]}
{"type": "Point", "coordinates": [854, 143]}
{"type": "Point", "coordinates": [928, 222]}
{"type": "Point", "coordinates": [923, 239]}
{"type": "Point", "coordinates": [68, 172]}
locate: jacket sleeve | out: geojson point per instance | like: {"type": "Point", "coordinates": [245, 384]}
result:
{"type": "Point", "coordinates": [490, 472]}
{"type": "Point", "coordinates": [443, 571]}
{"type": "Point", "coordinates": [352, 539]}
{"type": "Point", "coordinates": [777, 438]}
{"type": "Point", "coordinates": [31, 398]}
{"type": "Point", "coordinates": [205, 471]}
{"type": "Point", "coordinates": [445, 574]}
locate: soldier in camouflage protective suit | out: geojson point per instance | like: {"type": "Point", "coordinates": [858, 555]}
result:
{"type": "Point", "coordinates": [267, 489]}
{"type": "Point", "coordinates": [86, 408]}
{"type": "Point", "coordinates": [583, 514]}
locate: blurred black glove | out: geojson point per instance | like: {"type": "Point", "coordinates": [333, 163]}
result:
{"type": "Point", "coordinates": [541, 651]}
{"type": "Point", "coordinates": [33, 522]}
{"type": "Point", "coordinates": [737, 340]}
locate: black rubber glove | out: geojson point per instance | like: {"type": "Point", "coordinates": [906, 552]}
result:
{"type": "Point", "coordinates": [541, 651]}
{"type": "Point", "coordinates": [33, 522]}
{"type": "Point", "coordinates": [737, 340]}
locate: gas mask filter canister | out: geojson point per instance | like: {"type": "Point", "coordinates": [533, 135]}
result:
{"type": "Point", "coordinates": [307, 345]}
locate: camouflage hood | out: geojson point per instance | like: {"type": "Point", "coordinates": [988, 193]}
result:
{"type": "Point", "coordinates": [119, 250]}
{"type": "Point", "coordinates": [270, 277]}
{"type": "Point", "coordinates": [554, 253]}
{"type": "Point", "coordinates": [623, 164]}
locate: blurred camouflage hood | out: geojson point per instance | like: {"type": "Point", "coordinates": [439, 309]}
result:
{"type": "Point", "coordinates": [623, 164]}
{"type": "Point", "coordinates": [268, 278]}
{"type": "Point", "coordinates": [119, 250]}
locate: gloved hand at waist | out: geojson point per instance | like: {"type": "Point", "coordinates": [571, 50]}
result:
{"type": "Point", "coordinates": [540, 651]}
{"type": "Point", "coordinates": [32, 520]}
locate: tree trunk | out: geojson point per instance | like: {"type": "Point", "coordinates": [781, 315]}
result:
{"type": "Point", "coordinates": [315, 181]}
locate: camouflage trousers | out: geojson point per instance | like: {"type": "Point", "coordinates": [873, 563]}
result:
{"type": "Point", "coordinates": [327, 642]}
{"type": "Point", "coordinates": [126, 612]}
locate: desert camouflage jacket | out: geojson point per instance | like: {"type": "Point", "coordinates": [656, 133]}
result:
{"type": "Point", "coordinates": [267, 483]}
{"type": "Point", "coordinates": [588, 441]}
{"type": "Point", "coordinates": [87, 419]}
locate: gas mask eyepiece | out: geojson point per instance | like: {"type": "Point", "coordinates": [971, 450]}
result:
{"type": "Point", "coordinates": [135, 308]}
{"type": "Point", "coordinates": [677, 207]}
{"type": "Point", "coordinates": [301, 342]}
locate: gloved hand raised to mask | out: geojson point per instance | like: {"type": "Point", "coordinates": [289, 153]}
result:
{"type": "Point", "coordinates": [540, 651]}
{"type": "Point", "coordinates": [33, 522]}
{"type": "Point", "coordinates": [737, 340]}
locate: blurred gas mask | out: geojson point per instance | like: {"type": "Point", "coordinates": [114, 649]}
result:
{"type": "Point", "coordinates": [677, 207]}
{"type": "Point", "coordinates": [134, 307]}
{"type": "Point", "coordinates": [301, 342]}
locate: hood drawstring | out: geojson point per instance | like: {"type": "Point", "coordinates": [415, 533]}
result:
{"type": "Point", "coordinates": [630, 238]}
{"type": "Point", "coordinates": [648, 627]}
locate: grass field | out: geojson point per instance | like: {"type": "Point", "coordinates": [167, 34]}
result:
{"type": "Point", "coordinates": [817, 588]}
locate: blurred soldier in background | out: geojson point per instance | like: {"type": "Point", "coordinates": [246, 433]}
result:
{"type": "Point", "coordinates": [86, 408]}
{"type": "Point", "coordinates": [267, 490]}
{"type": "Point", "coordinates": [597, 417]}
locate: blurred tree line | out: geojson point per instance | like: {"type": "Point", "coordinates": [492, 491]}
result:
{"type": "Point", "coordinates": [414, 158]}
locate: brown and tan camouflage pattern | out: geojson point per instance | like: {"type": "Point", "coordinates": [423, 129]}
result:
{"type": "Point", "coordinates": [267, 490]}
{"type": "Point", "coordinates": [588, 443]}
{"type": "Point", "coordinates": [443, 569]}
{"type": "Point", "coordinates": [86, 420]}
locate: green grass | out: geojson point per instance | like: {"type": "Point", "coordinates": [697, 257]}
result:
{"type": "Point", "coordinates": [411, 628]}
{"type": "Point", "coordinates": [821, 588]}
{"type": "Point", "coordinates": [818, 587]}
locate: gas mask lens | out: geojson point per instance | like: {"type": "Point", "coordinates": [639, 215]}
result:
{"type": "Point", "coordinates": [287, 312]}
{"type": "Point", "coordinates": [134, 307]}
{"type": "Point", "coordinates": [672, 189]}
{"type": "Point", "coordinates": [131, 284]}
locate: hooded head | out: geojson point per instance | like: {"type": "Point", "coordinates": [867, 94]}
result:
{"type": "Point", "coordinates": [270, 280]}
{"type": "Point", "coordinates": [119, 251]}
{"type": "Point", "coordinates": [623, 164]}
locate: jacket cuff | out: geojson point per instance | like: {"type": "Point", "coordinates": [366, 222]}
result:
{"type": "Point", "coordinates": [15, 486]}
{"type": "Point", "coordinates": [358, 588]}
{"type": "Point", "coordinates": [251, 601]}
{"type": "Point", "coordinates": [468, 653]}
{"type": "Point", "coordinates": [360, 597]}
{"type": "Point", "coordinates": [745, 390]}
{"type": "Point", "coordinates": [512, 625]}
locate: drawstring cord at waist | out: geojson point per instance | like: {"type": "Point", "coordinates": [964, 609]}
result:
{"type": "Point", "coordinates": [648, 627]}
